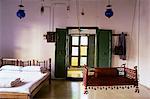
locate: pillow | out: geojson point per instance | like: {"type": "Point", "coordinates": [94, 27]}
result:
{"type": "Point", "coordinates": [31, 68]}
{"type": "Point", "coordinates": [43, 69]}
{"type": "Point", "coordinates": [105, 72]}
{"type": "Point", "coordinates": [121, 71]}
{"type": "Point", "coordinates": [11, 68]}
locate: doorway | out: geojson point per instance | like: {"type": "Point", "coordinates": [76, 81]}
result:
{"type": "Point", "coordinates": [78, 57]}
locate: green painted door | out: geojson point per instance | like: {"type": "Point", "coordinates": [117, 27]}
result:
{"type": "Point", "coordinates": [60, 53]}
{"type": "Point", "coordinates": [104, 48]}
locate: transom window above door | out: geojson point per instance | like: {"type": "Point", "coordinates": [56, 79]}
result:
{"type": "Point", "coordinates": [79, 47]}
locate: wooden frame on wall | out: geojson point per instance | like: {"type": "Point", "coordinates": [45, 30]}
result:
{"type": "Point", "coordinates": [51, 36]}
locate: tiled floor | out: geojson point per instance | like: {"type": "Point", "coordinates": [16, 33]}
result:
{"type": "Point", "coordinates": [62, 89]}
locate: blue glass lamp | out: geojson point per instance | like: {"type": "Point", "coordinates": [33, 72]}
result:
{"type": "Point", "coordinates": [21, 13]}
{"type": "Point", "coordinates": [109, 13]}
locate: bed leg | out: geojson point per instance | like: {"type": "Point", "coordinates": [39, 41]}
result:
{"type": "Point", "coordinates": [137, 89]}
{"type": "Point", "coordinates": [85, 91]}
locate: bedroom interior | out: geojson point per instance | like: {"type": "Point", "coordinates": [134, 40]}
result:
{"type": "Point", "coordinates": [75, 33]}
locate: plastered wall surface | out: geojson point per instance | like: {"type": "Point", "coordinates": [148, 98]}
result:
{"type": "Point", "coordinates": [23, 38]}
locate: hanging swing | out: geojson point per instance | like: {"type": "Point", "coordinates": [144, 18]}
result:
{"type": "Point", "coordinates": [112, 78]}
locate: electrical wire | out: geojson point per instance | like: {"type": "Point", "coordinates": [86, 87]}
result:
{"type": "Point", "coordinates": [138, 40]}
{"type": "Point", "coordinates": [96, 14]}
{"type": "Point", "coordinates": [132, 30]}
{"type": "Point", "coordinates": [78, 20]}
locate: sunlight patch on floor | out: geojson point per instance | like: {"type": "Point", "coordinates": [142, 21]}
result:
{"type": "Point", "coordinates": [74, 73]}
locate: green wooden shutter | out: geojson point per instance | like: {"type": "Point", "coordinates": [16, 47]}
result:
{"type": "Point", "coordinates": [60, 53]}
{"type": "Point", "coordinates": [91, 50]}
{"type": "Point", "coordinates": [104, 48]}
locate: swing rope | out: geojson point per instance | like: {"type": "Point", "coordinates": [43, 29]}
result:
{"type": "Point", "coordinates": [132, 30]}
{"type": "Point", "coordinates": [139, 22]}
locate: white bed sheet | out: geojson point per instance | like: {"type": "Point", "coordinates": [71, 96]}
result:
{"type": "Point", "coordinates": [29, 77]}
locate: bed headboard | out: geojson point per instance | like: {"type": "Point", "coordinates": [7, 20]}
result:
{"type": "Point", "coordinates": [19, 62]}
{"type": "Point", "coordinates": [9, 61]}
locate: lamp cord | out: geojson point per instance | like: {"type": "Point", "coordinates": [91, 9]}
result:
{"type": "Point", "coordinates": [50, 18]}
{"type": "Point", "coordinates": [78, 20]}
{"type": "Point", "coordinates": [108, 2]}
{"type": "Point", "coordinates": [139, 22]}
{"type": "Point", "coordinates": [96, 13]}
{"type": "Point", "coordinates": [21, 2]}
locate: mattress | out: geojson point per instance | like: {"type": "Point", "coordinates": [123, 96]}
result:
{"type": "Point", "coordinates": [26, 76]}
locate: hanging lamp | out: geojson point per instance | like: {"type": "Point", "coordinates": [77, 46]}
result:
{"type": "Point", "coordinates": [82, 13]}
{"type": "Point", "coordinates": [42, 6]}
{"type": "Point", "coordinates": [68, 5]}
{"type": "Point", "coordinates": [109, 13]}
{"type": "Point", "coordinates": [21, 13]}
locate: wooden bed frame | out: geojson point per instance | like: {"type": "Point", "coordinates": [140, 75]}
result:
{"type": "Point", "coordinates": [35, 87]}
{"type": "Point", "coordinates": [109, 78]}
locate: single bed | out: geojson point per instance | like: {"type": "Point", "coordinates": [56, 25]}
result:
{"type": "Point", "coordinates": [110, 78]}
{"type": "Point", "coordinates": [29, 72]}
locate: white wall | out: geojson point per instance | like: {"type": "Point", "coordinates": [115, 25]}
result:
{"type": "Point", "coordinates": [138, 46]}
{"type": "Point", "coordinates": [144, 46]}
{"type": "Point", "coordinates": [24, 38]}
{"type": "Point", "coordinates": [0, 26]}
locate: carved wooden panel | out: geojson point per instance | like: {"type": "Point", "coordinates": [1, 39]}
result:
{"type": "Point", "coordinates": [51, 36]}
